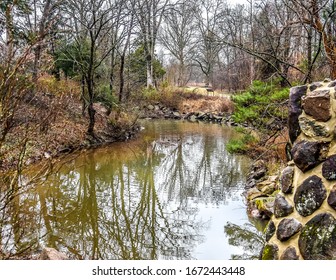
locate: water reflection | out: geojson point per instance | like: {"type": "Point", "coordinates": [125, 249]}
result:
{"type": "Point", "coordinates": [166, 195]}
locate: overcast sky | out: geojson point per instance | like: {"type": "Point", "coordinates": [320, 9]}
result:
{"type": "Point", "coordinates": [236, 1]}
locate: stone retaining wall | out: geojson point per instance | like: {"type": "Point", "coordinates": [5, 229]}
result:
{"type": "Point", "coordinates": [304, 222]}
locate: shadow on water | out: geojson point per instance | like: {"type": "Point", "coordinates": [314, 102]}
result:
{"type": "Point", "coordinates": [166, 195]}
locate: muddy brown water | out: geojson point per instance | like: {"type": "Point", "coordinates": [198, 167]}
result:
{"type": "Point", "coordinates": [172, 193]}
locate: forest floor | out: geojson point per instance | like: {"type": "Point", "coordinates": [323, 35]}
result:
{"type": "Point", "coordinates": [49, 126]}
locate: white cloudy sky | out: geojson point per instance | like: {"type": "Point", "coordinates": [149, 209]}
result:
{"type": "Point", "coordinates": [237, 1]}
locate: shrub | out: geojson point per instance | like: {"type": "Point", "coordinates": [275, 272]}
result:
{"type": "Point", "coordinates": [262, 104]}
{"type": "Point", "coordinates": [104, 96]}
{"type": "Point", "coordinates": [241, 144]}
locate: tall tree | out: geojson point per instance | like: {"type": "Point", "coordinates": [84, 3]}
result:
{"type": "Point", "coordinates": [319, 15]}
{"type": "Point", "coordinates": [149, 15]}
{"type": "Point", "coordinates": [91, 20]}
{"type": "Point", "coordinates": [178, 37]}
{"type": "Point", "coordinates": [208, 14]}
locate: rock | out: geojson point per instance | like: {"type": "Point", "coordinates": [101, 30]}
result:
{"type": "Point", "coordinates": [313, 129]}
{"type": "Point", "coordinates": [52, 254]}
{"type": "Point", "coordinates": [295, 110]}
{"type": "Point", "coordinates": [317, 240]}
{"type": "Point", "coordinates": [156, 108]}
{"type": "Point", "coordinates": [317, 104]}
{"type": "Point", "coordinates": [193, 118]}
{"type": "Point", "coordinates": [288, 228]}
{"type": "Point", "coordinates": [269, 231]}
{"type": "Point", "coordinates": [314, 86]}
{"type": "Point", "coordinates": [306, 155]}
{"type": "Point", "coordinates": [250, 183]}
{"type": "Point", "coordinates": [265, 206]}
{"type": "Point", "coordinates": [332, 84]}
{"type": "Point", "coordinates": [309, 196]}
{"type": "Point", "coordinates": [289, 254]}
{"type": "Point", "coordinates": [253, 193]}
{"type": "Point", "coordinates": [176, 115]}
{"type": "Point", "coordinates": [270, 252]}
{"type": "Point", "coordinates": [281, 207]}
{"type": "Point", "coordinates": [201, 115]}
{"type": "Point", "coordinates": [267, 187]}
{"type": "Point", "coordinates": [332, 198]}
{"type": "Point", "coordinates": [150, 107]}
{"type": "Point", "coordinates": [329, 168]}
{"type": "Point", "coordinates": [259, 169]}
{"type": "Point", "coordinates": [286, 180]}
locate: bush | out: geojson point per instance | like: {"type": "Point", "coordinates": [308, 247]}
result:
{"type": "Point", "coordinates": [105, 97]}
{"type": "Point", "coordinates": [262, 104]}
{"type": "Point", "coordinates": [241, 144]}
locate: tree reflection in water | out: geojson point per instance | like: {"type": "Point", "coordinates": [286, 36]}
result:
{"type": "Point", "coordinates": [246, 237]}
{"type": "Point", "coordinates": [136, 200]}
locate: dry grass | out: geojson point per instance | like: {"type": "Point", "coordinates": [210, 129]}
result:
{"type": "Point", "coordinates": [187, 101]}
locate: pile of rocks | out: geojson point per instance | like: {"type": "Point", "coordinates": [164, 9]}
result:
{"type": "Point", "coordinates": [304, 221]}
{"type": "Point", "coordinates": [158, 111]}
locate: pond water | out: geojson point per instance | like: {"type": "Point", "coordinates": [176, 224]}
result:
{"type": "Point", "coordinates": [172, 193]}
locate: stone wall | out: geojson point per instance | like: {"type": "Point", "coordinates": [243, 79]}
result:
{"type": "Point", "coordinates": [304, 222]}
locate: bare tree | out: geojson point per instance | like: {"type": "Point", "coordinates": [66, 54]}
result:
{"type": "Point", "coordinates": [208, 14]}
{"type": "Point", "coordinates": [178, 37]}
{"type": "Point", "coordinates": [91, 21]}
{"type": "Point", "coordinates": [44, 16]}
{"type": "Point", "coordinates": [149, 15]}
{"type": "Point", "coordinates": [319, 15]}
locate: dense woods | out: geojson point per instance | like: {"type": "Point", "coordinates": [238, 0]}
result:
{"type": "Point", "coordinates": [114, 47]}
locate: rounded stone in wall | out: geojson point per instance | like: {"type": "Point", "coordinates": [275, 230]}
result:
{"type": "Point", "coordinates": [312, 128]}
{"type": "Point", "coordinates": [317, 240]}
{"type": "Point", "coordinates": [329, 168]}
{"type": "Point", "coordinates": [332, 198]}
{"type": "Point", "coordinates": [288, 228]}
{"type": "Point", "coordinates": [309, 195]}
{"type": "Point", "coordinates": [289, 254]}
{"type": "Point", "coordinates": [315, 85]}
{"type": "Point", "coordinates": [317, 104]}
{"type": "Point", "coordinates": [270, 252]}
{"type": "Point", "coordinates": [282, 208]}
{"type": "Point", "coordinates": [295, 110]}
{"type": "Point", "coordinates": [306, 155]}
{"type": "Point", "coordinates": [286, 179]}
